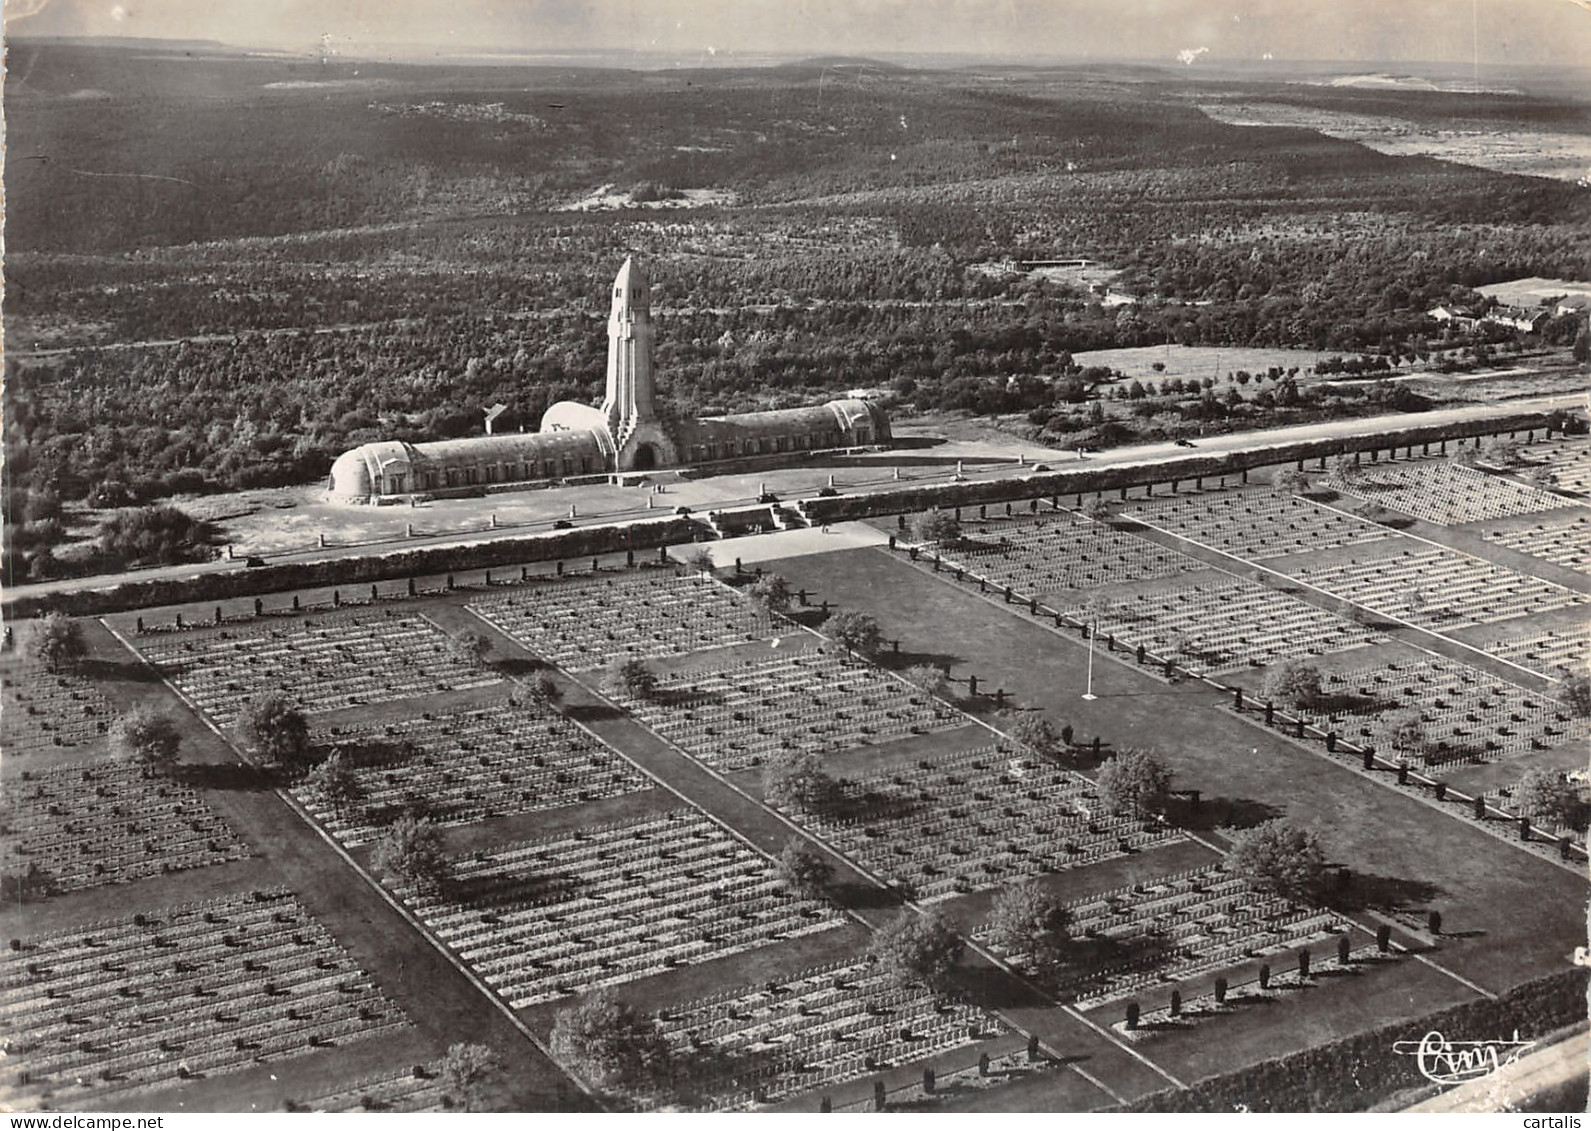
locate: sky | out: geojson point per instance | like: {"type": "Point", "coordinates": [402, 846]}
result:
{"type": "Point", "coordinates": [1513, 32]}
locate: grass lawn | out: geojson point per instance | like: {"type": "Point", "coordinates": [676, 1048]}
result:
{"type": "Point", "coordinates": [1196, 362]}
{"type": "Point", "coordinates": [1404, 854]}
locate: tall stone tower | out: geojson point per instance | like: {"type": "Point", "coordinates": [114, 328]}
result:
{"type": "Point", "coordinates": [639, 438]}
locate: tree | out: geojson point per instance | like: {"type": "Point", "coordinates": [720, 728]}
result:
{"type": "Point", "coordinates": [1027, 919]}
{"type": "Point", "coordinates": [807, 872]}
{"type": "Point", "coordinates": [1342, 468]}
{"type": "Point", "coordinates": [1034, 731]}
{"type": "Point", "coordinates": [1548, 797]}
{"type": "Point", "coordinates": [410, 851]}
{"type": "Point", "coordinates": [799, 782]}
{"type": "Point", "coordinates": [543, 689]}
{"type": "Point", "coordinates": [469, 647]}
{"type": "Point", "coordinates": [1099, 508]}
{"type": "Point", "coordinates": [1278, 857]}
{"type": "Point", "coordinates": [856, 632]}
{"type": "Point", "coordinates": [155, 535]}
{"type": "Point", "coordinates": [1134, 782]}
{"type": "Point", "coordinates": [1575, 693]}
{"type": "Point", "coordinates": [271, 727]}
{"type": "Point", "coordinates": [57, 642]}
{"type": "Point", "coordinates": [629, 678]}
{"type": "Point", "coordinates": [936, 528]}
{"type": "Point", "coordinates": [929, 678]}
{"type": "Point", "coordinates": [772, 592]}
{"type": "Point", "coordinates": [1581, 350]}
{"type": "Point", "coordinates": [336, 783]}
{"type": "Point", "coordinates": [1098, 607]}
{"type": "Point", "coordinates": [700, 560]}
{"type": "Point", "coordinates": [609, 1043]}
{"type": "Point", "coordinates": [146, 737]}
{"type": "Point", "coordinates": [1290, 481]}
{"type": "Point", "coordinates": [467, 1070]}
{"type": "Point", "coordinates": [1294, 683]}
{"type": "Point", "coordinates": [915, 948]}
{"type": "Point", "coordinates": [1403, 731]}
{"type": "Point", "coordinates": [1500, 451]}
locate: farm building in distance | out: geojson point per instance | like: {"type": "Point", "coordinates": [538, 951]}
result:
{"type": "Point", "coordinates": [626, 434]}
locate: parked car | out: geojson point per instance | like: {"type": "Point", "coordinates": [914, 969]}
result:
{"type": "Point", "coordinates": [767, 497]}
{"type": "Point", "coordinates": [828, 492]}
{"type": "Point", "coordinates": [682, 510]}
{"type": "Point", "coordinates": [563, 524]}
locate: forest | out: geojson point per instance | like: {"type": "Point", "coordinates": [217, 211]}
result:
{"type": "Point", "coordinates": [221, 272]}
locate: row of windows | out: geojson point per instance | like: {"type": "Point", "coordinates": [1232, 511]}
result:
{"type": "Point", "coordinates": [762, 445]}
{"type": "Point", "coordinates": [399, 483]}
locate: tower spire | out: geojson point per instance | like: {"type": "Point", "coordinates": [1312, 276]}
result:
{"type": "Point", "coordinates": [628, 400]}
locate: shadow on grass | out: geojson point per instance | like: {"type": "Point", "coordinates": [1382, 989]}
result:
{"type": "Point", "coordinates": [517, 667]}
{"type": "Point", "coordinates": [1366, 891]}
{"type": "Point", "coordinates": [1350, 703]}
{"type": "Point", "coordinates": [230, 776]}
{"type": "Point", "coordinates": [130, 671]}
{"type": "Point", "coordinates": [1222, 812]}
{"type": "Point", "coordinates": [862, 896]}
{"type": "Point", "coordinates": [992, 988]}
{"type": "Point", "coordinates": [593, 712]}
{"type": "Point", "coordinates": [899, 661]}
{"type": "Point", "coordinates": [492, 890]}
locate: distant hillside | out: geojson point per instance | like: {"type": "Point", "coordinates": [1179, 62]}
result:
{"type": "Point", "coordinates": [130, 43]}
{"type": "Point", "coordinates": [858, 61]}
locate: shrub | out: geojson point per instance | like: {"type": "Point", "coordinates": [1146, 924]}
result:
{"type": "Point", "coordinates": [155, 535]}
{"type": "Point", "coordinates": [1294, 683]}
{"type": "Point", "coordinates": [1575, 693]}
{"type": "Point", "coordinates": [1027, 919]}
{"type": "Point", "coordinates": [1134, 782]}
{"type": "Point", "coordinates": [772, 592]}
{"type": "Point", "coordinates": [929, 678]}
{"type": "Point", "coordinates": [335, 782]}
{"type": "Point", "coordinates": [1548, 797]}
{"type": "Point", "coordinates": [146, 737]}
{"type": "Point", "coordinates": [856, 632]}
{"type": "Point", "coordinates": [57, 642]}
{"type": "Point", "coordinates": [469, 647]}
{"type": "Point", "coordinates": [1034, 731]}
{"type": "Point", "coordinates": [467, 1070]}
{"type": "Point", "coordinates": [629, 678]}
{"type": "Point", "coordinates": [271, 727]}
{"type": "Point", "coordinates": [807, 872]}
{"type": "Point", "coordinates": [410, 851]}
{"type": "Point", "coordinates": [609, 1043]}
{"type": "Point", "coordinates": [936, 528]}
{"type": "Point", "coordinates": [800, 782]}
{"type": "Point", "coordinates": [1278, 856]}
{"type": "Point", "coordinates": [915, 948]}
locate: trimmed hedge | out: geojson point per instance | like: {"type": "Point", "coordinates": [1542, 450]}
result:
{"type": "Point", "coordinates": [1087, 481]}
{"type": "Point", "coordinates": [1357, 1072]}
{"type": "Point", "coordinates": [649, 534]}
{"type": "Point", "coordinates": [585, 541]}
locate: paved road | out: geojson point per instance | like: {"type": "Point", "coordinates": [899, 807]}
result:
{"type": "Point", "coordinates": [873, 474]}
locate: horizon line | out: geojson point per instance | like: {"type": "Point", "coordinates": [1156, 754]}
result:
{"type": "Point", "coordinates": [414, 55]}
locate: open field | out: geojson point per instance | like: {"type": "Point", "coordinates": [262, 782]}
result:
{"type": "Point", "coordinates": [1162, 363]}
